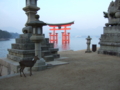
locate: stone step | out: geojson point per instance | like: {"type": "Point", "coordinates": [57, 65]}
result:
{"type": "Point", "coordinates": [19, 58]}
{"type": "Point", "coordinates": [17, 51]}
{"type": "Point", "coordinates": [56, 55]}
{"type": "Point", "coordinates": [44, 48]}
{"type": "Point", "coordinates": [53, 50]}
{"type": "Point", "coordinates": [49, 58]}
{"type": "Point", "coordinates": [46, 52]}
{"type": "Point", "coordinates": [23, 40]}
{"type": "Point", "coordinates": [50, 45]}
{"type": "Point", "coordinates": [55, 63]}
{"type": "Point", "coordinates": [25, 46]}
{"type": "Point", "coordinates": [47, 40]}
{"type": "Point", "coordinates": [24, 36]}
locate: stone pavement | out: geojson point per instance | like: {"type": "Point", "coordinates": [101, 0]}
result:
{"type": "Point", "coordinates": [57, 62]}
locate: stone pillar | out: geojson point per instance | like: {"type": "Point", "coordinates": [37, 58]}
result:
{"type": "Point", "coordinates": [88, 44]}
{"type": "Point", "coordinates": [38, 49]}
{"type": "Point", "coordinates": [40, 64]}
{"type": "Point", "coordinates": [31, 10]}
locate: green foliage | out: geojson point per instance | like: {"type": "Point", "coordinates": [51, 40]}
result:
{"type": "Point", "coordinates": [5, 34]}
{"type": "Point", "coordinates": [14, 35]}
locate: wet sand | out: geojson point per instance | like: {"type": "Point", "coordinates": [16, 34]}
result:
{"type": "Point", "coordinates": [85, 71]}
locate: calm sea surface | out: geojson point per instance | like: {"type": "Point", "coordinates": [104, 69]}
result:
{"type": "Point", "coordinates": [75, 44]}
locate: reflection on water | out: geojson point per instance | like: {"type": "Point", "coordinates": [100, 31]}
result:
{"type": "Point", "coordinates": [55, 45]}
{"type": "Point", "coordinates": [65, 46]}
{"type": "Point", "coordinates": [75, 44]}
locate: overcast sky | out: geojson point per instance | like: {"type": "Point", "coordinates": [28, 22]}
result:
{"type": "Point", "coordinates": [87, 14]}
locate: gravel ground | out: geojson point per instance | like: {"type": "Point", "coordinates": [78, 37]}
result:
{"type": "Point", "coordinates": [85, 71]}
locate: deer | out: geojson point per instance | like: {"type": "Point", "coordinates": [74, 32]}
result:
{"type": "Point", "coordinates": [27, 63]}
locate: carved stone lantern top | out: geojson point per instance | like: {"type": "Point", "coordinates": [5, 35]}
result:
{"type": "Point", "coordinates": [37, 22]}
{"type": "Point", "coordinates": [113, 13]}
{"type": "Point", "coordinates": [37, 35]}
{"type": "Point", "coordinates": [88, 38]}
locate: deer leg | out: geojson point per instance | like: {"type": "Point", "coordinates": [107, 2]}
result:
{"type": "Point", "coordinates": [1, 70]}
{"type": "Point", "coordinates": [22, 71]}
{"type": "Point", "coordinates": [30, 71]}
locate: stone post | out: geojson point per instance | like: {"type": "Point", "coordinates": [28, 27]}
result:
{"type": "Point", "coordinates": [38, 49]}
{"type": "Point", "coordinates": [37, 37]}
{"type": "Point", "coordinates": [88, 44]}
{"type": "Point", "coordinates": [40, 64]}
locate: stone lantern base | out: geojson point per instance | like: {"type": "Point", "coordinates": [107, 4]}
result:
{"type": "Point", "coordinates": [39, 65]}
{"type": "Point", "coordinates": [23, 49]}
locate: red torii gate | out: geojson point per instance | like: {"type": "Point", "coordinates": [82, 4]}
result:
{"type": "Point", "coordinates": [65, 35]}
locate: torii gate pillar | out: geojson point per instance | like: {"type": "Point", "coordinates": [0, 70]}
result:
{"type": "Point", "coordinates": [65, 36]}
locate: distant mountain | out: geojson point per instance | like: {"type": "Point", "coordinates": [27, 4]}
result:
{"type": "Point", "coordinates": [12, 29]}
{"type": "Point", "coordinates": [92, 32]}
{"type": "Point", "coordinates": [5, 35]}
{"type": "Point", "coordinates": [14, 35]}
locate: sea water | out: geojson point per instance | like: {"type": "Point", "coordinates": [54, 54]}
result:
{"type": "Point", "coordinates": [75, 44]}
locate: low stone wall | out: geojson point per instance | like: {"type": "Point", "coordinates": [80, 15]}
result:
{"type": "Point", "coordinates": [8, 66]}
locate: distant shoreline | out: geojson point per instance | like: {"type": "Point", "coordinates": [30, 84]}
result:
{"type": "Point", "coordinates": [4, 39]}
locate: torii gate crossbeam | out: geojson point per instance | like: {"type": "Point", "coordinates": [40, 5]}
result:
{"type": "Point", "coordinates": [65, 35]}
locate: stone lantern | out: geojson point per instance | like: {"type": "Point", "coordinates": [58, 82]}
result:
{"type": "Point", "coordinates": [88, 44]}
{"type": "Point", "coordinates": [31, 2]}
{"type": "Point", "coordinates": [37, 37]}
